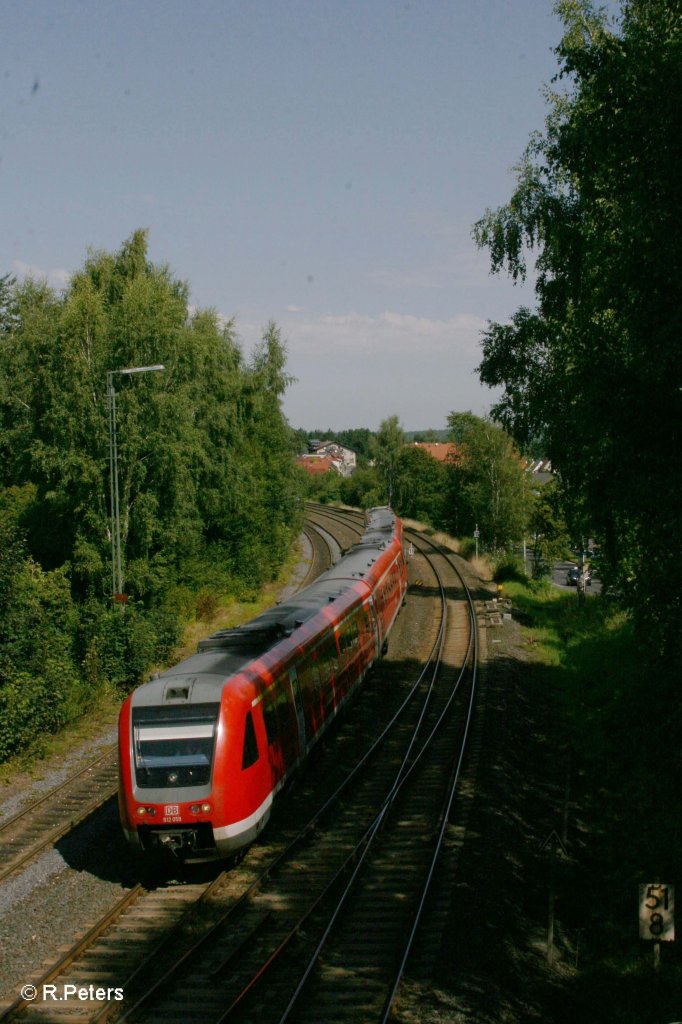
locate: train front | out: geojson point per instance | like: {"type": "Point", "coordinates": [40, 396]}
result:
{"type": "Point", "coordinates": [171, 733]}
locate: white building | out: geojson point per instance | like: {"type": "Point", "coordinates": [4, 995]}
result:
{"type": "Point", "coordinates": [344, 459]}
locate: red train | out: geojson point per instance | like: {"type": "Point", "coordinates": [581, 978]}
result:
{"type": "Point", "coordinates": [206, 747]}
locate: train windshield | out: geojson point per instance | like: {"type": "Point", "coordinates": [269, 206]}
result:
{"type": "Point", "coordinates": [173, 745]}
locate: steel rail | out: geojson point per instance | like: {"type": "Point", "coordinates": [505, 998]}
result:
{"type": "Point", "coordinates": [322, 522]}
{"type": "Point", "coordinates": [152, 956]}
{"type": "Point", "coordinates": [57, 789]}
{"type": "Point", "coordinates": [104, 1012]}
{"type": "Point", "coordinates": [473, 654]}
{"type": "Point", "coordinates": [83, 944]}
{"type": "Point", "coordinates": [114, 913]}
{"type": "Point", "coordinates": [362, 847]}
{"type": "Point", "coordinates": [71, 819]}
{"type": "Point", "coordinates": [315, 538]}
{"type": "Point", "coordinates": [359, 855]}
{"type": "Point", "coordinates": [20, 1003]}
{"type": "Point", "coordinates": [359, 851]}
{"type": "Point", "coordinates": [285, 855]}
{"type": "Point", "coordinates": [343, 517]}
{"type": "Point", "coordinates": [55, 832]}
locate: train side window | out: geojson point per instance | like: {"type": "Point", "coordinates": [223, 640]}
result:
{"type": "Point", "coordinates": [285, 710]}
{"type": "Point", "coordinates": [270, 719]}
{"type": "Point", "coordinates": [323, 666]}
{"type": "Point", "coordinates": [330, 661]}
{"type": "Point", "coordinates": [309, 675]}
{"type": "Point", "coordinates": [250, 755]}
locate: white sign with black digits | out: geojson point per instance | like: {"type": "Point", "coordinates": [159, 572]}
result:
{"type": "Point", "coordinates": [657, 912]}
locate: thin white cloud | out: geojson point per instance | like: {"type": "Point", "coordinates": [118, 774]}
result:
{"type": "Point", "coordinates": [389, 333]}
{"type": "Point", "coordinates": [352, 369]}
{"type": "Point", "coordinates": [56, 277]}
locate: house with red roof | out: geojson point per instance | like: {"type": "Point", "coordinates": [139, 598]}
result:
{"type": "Point", "coordinates": [441, 451]}
{"type": "Point", "coordinates": [316, 464]}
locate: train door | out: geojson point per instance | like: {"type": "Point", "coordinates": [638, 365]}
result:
{"type": "Point", "coordinates": [298, 704]}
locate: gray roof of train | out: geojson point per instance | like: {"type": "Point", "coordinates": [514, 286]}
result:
{"type": "Point", "coordinates": [200, 677]}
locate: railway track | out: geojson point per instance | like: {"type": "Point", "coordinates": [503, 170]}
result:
{"type": "Point", "coordinates": [43, 822]}
{"type": "Point", "coordinates": [46, 820]}
{"type": "Point", "coordinates": [357, 835]}
{"type": "Point", "coordinates": [354, 970]}
{"type": "Point", "coordinates": [322, 553]}
{"type": "Point", "coordinates": [347, 525]}
{"type": "Point", "coordinates": [54, 814]}
{"type": "Point", "coordinates": [242, 965]}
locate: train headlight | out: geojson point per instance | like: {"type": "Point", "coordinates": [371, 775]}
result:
{"type": "Point", "coordinates": [200, 808]}
{"type": "Point", "coordinates": [173, 778]}
{"type": "Point", "coordinates": [150, 811]}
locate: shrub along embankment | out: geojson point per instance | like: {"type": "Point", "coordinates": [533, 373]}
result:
{"type": "Point", "coordinates": [619, 713]}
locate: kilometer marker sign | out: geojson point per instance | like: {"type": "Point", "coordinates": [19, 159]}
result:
{"type": "Point", "coordinates": [657, 912]}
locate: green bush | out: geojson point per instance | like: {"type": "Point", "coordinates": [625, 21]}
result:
{"type": "Point", "coordinates": [507, 567]}
{"type": "Point", "coordinates": [207, 603]}
{"type": "Point", "coordinates": [167, 625]}
{"type": "Point", "coordinates": [119, 645]}
{"type": "Point", "coordinates": [31, 704]}
{"type": "Point", "coordinates": [467, 547]}
{"type": "Point", "coordinates": [180, 602]}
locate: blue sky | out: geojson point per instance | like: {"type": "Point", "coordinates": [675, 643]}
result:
{"type": "Point", "coordinates": [313, 162]}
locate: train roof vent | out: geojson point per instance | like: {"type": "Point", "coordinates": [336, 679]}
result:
{"type": "Point", "coordinates": [178, 692]}
{"type": "Point", "coordinates": [256, 638]}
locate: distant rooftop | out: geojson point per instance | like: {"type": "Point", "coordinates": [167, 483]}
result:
{"type": "Point", "coordinates": [317, 464]}
{"type": "Point", "coordinates": [442, 451]}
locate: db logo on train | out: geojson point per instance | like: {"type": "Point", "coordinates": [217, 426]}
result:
{"type": "Point", "coordinates": [171, 813]}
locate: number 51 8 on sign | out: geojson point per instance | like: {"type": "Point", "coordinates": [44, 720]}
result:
{"type": "Point", "coordinates": [657, 912]}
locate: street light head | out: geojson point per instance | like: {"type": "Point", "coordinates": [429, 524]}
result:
{"type": "Point", "coordinates": [140, 369]}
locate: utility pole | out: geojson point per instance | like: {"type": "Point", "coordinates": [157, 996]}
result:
{"type": "Point", "coordinates": [551, 843]}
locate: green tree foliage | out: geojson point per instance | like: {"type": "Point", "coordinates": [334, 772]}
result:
{"type": "Point", "coordinates": [362, 489]}
{"type": "Point", "coordinates": [38, 621]}
{"type": "Point", "coordinates": [390, 442]}
{"type": "Point", "coordinates": [324, 487]}
{"type": "Point", "coordinates": [547, 528]}
{"type": "Point", "coordinates": [595, 367]}
{"type": "Point", "coordinates": [486, 483]}
{"type": "Point", "coordinates": [208, 491]}
{"type": "Point", "coordinates": [420, 486]}
{"type": "Point", "coordinates": [204, 453]}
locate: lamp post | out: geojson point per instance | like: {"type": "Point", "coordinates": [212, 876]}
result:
{"type": "Point", "coordinates": [116, 563]}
